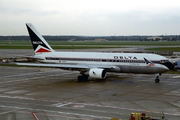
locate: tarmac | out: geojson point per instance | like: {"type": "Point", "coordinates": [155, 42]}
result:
{"type": "Point", "coordinates": [33, 93]}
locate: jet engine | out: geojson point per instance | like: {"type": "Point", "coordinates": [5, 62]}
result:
{"type": "Point", "coordinates": [97, 73]}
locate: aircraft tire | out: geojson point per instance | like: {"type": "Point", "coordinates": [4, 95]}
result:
{"type": "Point", "coordinates": [157, 80]}
{"type": "Point", "coordinates": [82, 78]}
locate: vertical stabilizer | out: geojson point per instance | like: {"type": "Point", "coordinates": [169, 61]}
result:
{"type": "Point", "coordinates": [39, 43]}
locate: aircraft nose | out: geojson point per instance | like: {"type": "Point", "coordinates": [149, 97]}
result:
{"type": "Point", "coordinates": [169, 65]}
{"type": "Point", "coordinates": [165, 68]}
{"type": "Point", "coordinates": [161, 68]}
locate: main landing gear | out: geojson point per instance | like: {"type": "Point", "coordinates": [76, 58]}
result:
{"type": "Point", "coordinates": [157, 80]}
{"type": "Point", "coordinates": [82, 78]}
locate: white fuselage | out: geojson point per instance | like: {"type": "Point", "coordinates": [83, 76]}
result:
{"type": "Point", "coordinates": [121, 62]}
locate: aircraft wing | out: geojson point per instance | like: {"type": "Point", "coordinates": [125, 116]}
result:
{"type": "Point", "coordinates": [81, 67]}
{"type": "Point", "coordinates": [33, 58]}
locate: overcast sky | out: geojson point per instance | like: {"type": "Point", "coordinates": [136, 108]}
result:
{"type": "Point", "coordinates": [91, 17]}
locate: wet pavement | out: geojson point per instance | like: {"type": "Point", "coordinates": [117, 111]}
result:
{"type": "Point", "coordinates": [28, 93]}
{"type": "Point", "coordinates": [32, 93]}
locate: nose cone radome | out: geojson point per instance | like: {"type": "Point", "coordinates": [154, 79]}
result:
{"type": "Point", "coordinates": [164, 68]}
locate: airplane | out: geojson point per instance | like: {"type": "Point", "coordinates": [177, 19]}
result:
{"type": "Point", "coordinates": [95, 64]}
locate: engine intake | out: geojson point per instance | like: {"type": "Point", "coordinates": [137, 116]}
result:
{"type": "Point", "coordinates": [97, 73]}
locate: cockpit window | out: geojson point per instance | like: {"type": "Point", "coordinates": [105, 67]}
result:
{"type": "Point", "coordinates": [164, 61]}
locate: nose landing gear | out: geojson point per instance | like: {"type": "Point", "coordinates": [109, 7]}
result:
{"type": "Point", "coordinates": [157, 80]}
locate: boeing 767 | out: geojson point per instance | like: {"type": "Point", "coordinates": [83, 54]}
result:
{"type": "Point", "coordinates": [95, 64]}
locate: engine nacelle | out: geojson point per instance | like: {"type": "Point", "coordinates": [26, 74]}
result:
{"type": "Point", "coordinates": [97, 73]}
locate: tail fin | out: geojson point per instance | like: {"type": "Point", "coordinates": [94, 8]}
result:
{"type": "Point", "coordinates": [39, 43]}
